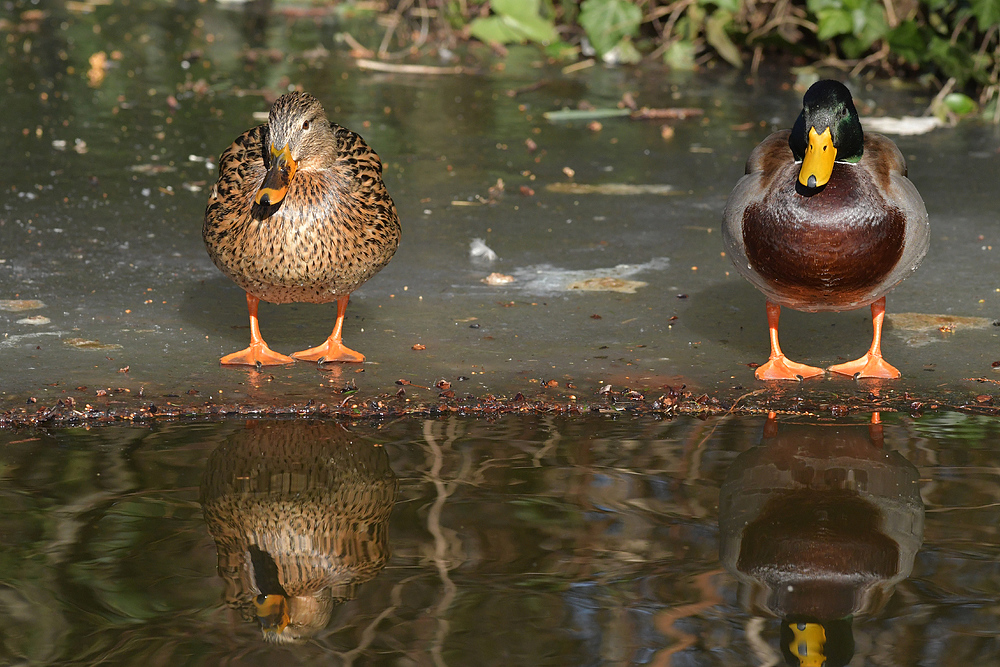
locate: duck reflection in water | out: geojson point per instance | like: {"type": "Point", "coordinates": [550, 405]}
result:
{"type": "Point", "coordinates": [299, 511]}
{"type": "Point", "coordinates": [819, 523]}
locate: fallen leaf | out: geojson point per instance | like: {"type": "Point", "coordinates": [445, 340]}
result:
{"type": "Point", "coordinates": [671, 113]}
{"type": "Point", "coordinates": [152, 168]}
{"type": "Point", "coordinates": [918, 329]}
{"type": "Point", "coordinates": [498, 279]}
{"type": "Point", "coordinates": [19, 305]}
{"type": "Point", "coordinates": [98, 64]}
{"type": "Point", "coordinates": [607, 285]}
{"type": "Point", "coordinates": [612, 189]}
{"type": "Point", "coordinates": [84, 344]}
{"type": "Point", "coordinates": [904, 126]}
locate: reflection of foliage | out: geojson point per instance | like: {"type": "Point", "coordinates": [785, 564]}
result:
{"type": "Point", "coordinates": [973, 431]}
{"type": "Point", "coordinates": [541, 541]}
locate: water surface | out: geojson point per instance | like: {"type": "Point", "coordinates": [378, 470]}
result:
{"type": "Point", "coordinates": [520, 541]}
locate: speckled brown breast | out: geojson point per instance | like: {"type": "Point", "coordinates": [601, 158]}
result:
{"type": "Point", "coordinates": [828, 249]}
{"type": "Point", "coordinates": [307, 494]}
{"type": "Point", "coordinates": [334, 229]}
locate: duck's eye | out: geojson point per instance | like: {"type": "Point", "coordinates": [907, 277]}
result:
{"type": "Point", "coordinates": [305, 125]}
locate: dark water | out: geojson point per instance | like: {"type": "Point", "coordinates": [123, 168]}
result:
{"type": "Point", "coordinates": [525, 541]}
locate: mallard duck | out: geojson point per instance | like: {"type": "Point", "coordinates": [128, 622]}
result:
{"type": "Point", "coordinates": [299, 213]}
{"type": "Point", "coordinates": [826, 220]}
{"type": "Point", "coordinates": [299, 511]}
{"type": "Point", "coordinates": [810, 545]}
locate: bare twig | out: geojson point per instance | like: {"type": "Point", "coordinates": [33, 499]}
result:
{"type": "Point", "coordinates": [959, 27]}
{"type": "Point", "coordinates": [393, 20]}
{"type": "Point", "coordinates": [675, 14]}
{"type": "Point", "coordinates": [939, 98]}
{"type": "Point", "coordinates": [425, 25]}
{"type": "Point", "coordinates": [778, 20]}
{"type": "Point", "coordinates": [758, 54]}
{"type": "Point", "coordinates": [356, 47]}
{"type": "Point", "coordinates": [378, 66]}
{"type": "Point", "coordinates": [890, 13]}
{"type": "Point", "coordinates": [875, 57]}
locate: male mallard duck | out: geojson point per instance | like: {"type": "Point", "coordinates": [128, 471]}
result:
{"type": "Point", "coordinates": [300, 213]}
{"type": "Point", "coordinates": [826, 220]}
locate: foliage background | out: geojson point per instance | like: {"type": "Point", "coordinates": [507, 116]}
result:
{"type": "Point", "coordinates": [953, 45]}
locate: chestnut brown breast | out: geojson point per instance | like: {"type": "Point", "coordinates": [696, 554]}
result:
{"type": "Point", "coordinates": [829, 248]}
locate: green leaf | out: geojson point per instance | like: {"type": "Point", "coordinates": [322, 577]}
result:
{"type": "Point", "coordinates": [833, 22]}
{"type": "Point", "coordinates": [518, 9]}
{"type": "Point", "coordinates": [585, 114]}
{"type": "Point", "coordinates": [626, 53]}
{"type": "Point", "coordinates": [606, 22]}
{"type": "Point", "coordinates": [959, 103]}
{"type": "Point", "coordinates": [514, 21]}
{"type": "Point", "coordinates": [520, 27]}
{"type": "Point", "coordinates": [907, 42]}
{"type": "Point", "coordinates": [731, 6]}
{"type": "Point", "coordinates": [987, 13]}
{"type": "Point", "coordinates": [870, 23]}
{"type": "Point", "coordinates": [562, 51]}
{"type": "Point", "coordinates": [534, 28]}
{"type": "Point", "coordinates": [680, 56]}
{"type": "Point", "coordinates": [493, 30]}
{"type": "Point", "coordinates": [715, 34]}
{"type": "Point", "coordinates": [953, 61]}
{"type": "Point", "coordinates": [817, 6]}
{"type": "Point", "coordinates": [695, 16]}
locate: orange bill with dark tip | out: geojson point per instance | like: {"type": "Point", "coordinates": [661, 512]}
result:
{"type": "Point", "coordinates": [272, 611]}
{"type": "Point", "coordinates": [817, 165]}
{"type": "Point", "coordinates": [278, 177]}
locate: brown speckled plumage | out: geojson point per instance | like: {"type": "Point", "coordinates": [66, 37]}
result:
{"type": "Point", "coordinates": [334, 228]}
{"type": "Point", "coordinates": [299, 510]}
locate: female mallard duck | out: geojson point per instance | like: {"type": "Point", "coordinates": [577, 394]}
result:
{"type": "Point", "coordinates": [300, 213]}
{"type": "Point", "coordinates": [826, 220]}
{"type": "Point", "coordinates": [299, 511]}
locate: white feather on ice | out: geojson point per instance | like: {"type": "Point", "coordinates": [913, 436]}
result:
{"type": "Point", "coordinates": [478, 248]}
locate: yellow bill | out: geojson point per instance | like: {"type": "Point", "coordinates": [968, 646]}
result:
{"type": "Point", "coordinates": [817, 165]}
{"type": "Point", "coordinates": [808, 643]}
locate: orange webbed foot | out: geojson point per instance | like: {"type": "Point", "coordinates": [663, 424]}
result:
{"type": "Point", "coordinates": [256, 354]}
{"type": "Point", "coordinates": [868, 366]}
{"type": "Point", "coordinates": [781, 368]}
{"type": "Point", "coordinates": [331, 350]}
